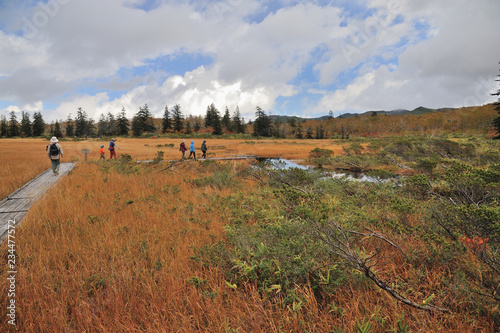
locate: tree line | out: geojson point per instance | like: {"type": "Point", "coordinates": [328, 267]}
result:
{"type": "Point", "coordinates": [476, 119]}
{"type": "Point", "coordinates": [173, 121]}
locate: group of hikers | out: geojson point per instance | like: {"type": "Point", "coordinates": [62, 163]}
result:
{"type": "Point", "coordinates": [192, 151]}
{"type": "Point", "coordinates": [112, 150]}
{"type": "Point", "coordinates": [55, 152]}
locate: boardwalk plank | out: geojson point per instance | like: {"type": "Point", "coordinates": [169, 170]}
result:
{"type": "Point", "coordinates": [16, 205]}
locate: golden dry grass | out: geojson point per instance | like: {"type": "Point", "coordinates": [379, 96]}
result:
{"type": "Point", "coordinates": [110, 251]}
{"type": "Point", "coordinates": [23, 159]}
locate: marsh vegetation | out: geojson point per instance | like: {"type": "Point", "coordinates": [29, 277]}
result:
{"type": "Point", "coordinates": [234, 247]}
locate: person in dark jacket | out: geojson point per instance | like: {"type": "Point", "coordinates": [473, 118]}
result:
{"type": "Point", "coordinates": [204, 149]}
{"type": "Point", "coordinates": [183, 148]}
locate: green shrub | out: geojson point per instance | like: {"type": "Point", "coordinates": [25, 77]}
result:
{"type": "Point", "coordinates": [158, 157]}
{"type": "Point", "coordinates": [320, 152]}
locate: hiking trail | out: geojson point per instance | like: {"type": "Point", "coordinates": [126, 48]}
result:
{"type": "Point", "coordinates": [16, 205]}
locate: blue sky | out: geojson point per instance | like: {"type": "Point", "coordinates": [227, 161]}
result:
{"type": "Point", "coordinates": [291, 57]}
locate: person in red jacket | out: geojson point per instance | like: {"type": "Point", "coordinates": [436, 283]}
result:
{"type": "Point", "coordinates": [101, 152]}
{"type": "Point", "coordinates": [183, 148]}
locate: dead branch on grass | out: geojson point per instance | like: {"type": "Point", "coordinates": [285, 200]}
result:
{"type": "Point", "coordinates": [339, 243]}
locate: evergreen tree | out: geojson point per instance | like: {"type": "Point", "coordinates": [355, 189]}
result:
{"type": "Point", "coordinates": [70, 128]}
{"type": "Point", "coordinates": [262, 125]}
{"type": "Point", "coordinates": [57, 130]}
{"type": "Point", "coordinates": [320, 132]}
{"type": "Point", "coordinates": [122, 123]}
{"type": "Point", "coordinates": [3, 126]}
{"type": "Point", "coordinates": [26, 129]}
{"type": "Point", "coordinates": [298, 133]}
{"type": "Point", "coordinates": [237, 122]}
{"type": "Point", "coordinates": [143, 121]}
{"type": "Point", "coordinates": [293, 124]}
{"type": "Point", "coordinates": [101, 126]}
{"type": "Point", "coordinates": [226, 121]}
{"type": "Point", "coordinates": [166, 123]}
{"type": "Point", "coordinates": [13, 126]}
{"type": "Point", "coordinates": [177, 117]}
{"type": "Point", "coordinates": [210, 115]}
{"type": "Point", "coordinates": [496, 121]}
{"type": "Point", "coordinates": [197, 124]}
{"type": "Point", "coordinates": [309, 132]}
{"type": "Point", "coordinates": [111, 126]}
{"type": "Point", "coordinates": [217, 124]}
{"type": "Point", "coordinates": [188, 127]}
{"type": "Point", "coordinates": [91, 132]}
{"type": "Point", "coordinates": [38, 124]}
{"type": "Point", "coordinates": [137, 126]}
{"type": "Point", "coordinates": [82, 123]}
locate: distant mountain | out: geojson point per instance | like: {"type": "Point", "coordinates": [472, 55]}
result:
{"type": "Point", "coordinates": [284, 119]}
{"type": "Point", "coordinates": [416, 112]}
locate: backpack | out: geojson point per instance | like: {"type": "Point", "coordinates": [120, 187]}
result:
{"type": "Point", "coordinates": [54, 150]}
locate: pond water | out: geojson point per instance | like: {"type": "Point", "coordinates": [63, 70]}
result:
{"type": "Point", "coordinates": [284, 164]}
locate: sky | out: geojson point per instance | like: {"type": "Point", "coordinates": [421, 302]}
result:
{"type": "Point", "coordinates": [303, 58]}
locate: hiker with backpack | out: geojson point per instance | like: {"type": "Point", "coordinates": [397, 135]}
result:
{"type": "Point", "coordinates": [55, 152]}
{"type": "Point", "coordinates": [183, 149]}
{"type": "Point", "coordinates": [204, 149]}
{"type": "Point", "coordinates": [111, 148]}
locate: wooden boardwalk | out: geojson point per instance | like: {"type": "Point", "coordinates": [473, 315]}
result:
{"type": "Point", "coordinates": [227, 158]}
{"type": "Point", "coordinates": [17, 204]}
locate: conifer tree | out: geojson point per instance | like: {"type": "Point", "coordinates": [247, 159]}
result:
{"type": "Point", "coordinates": [111, 125]}
{"type": "Point", "coordinates": [26, 129]}
{"type": "Point", "coordinates": [309, 132]}
{"type": "Point", "coordinates": [13, 126]}
{"type": "Point", "coordinates": [298, 133]}
{"type": "Point", "coordinates": [262, 125]}
{"type": "Point", "coordinates": [167, 121]}
{"type": "Point", "coordinates": [238, 123]}
{"type": "Point", "coordinates": [82, 123]}
{"type": "Point", "coordinates": [188, 127]}
{"type": "Point", "coordinates": [57, 130]}
{"type": "Point", "coordinates": [143, 121]}
{"type": "Point", "coordinates": [178, 118]}
{"type": "Point", "coordinates": [101, 126]}
{"type": "Point", "coordinates": [3, 126]}
{"type": "Point", "coordinates": [70, 128]}
{"type": "Point", "coordinates": [213, 119]}
{"type": "Point", "coordinates": [197, 124]}
{"type": "Point", "coordinates": [217, 125]}
{"type": "Point", "coordinates": [226, 121]}
{"type": "Point", "coordinates": [122, 122]}
{"type": "Point", "coordinates": [38, 124]}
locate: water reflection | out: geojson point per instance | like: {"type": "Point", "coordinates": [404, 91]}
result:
{"type": "Point", "coordinates": [284, 164]}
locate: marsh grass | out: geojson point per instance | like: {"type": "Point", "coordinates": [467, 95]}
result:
{"type": "Point", "coordinates": [203, 246]}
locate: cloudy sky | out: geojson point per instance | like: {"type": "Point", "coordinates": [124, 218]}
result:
{"type": "Point", "coordinates": [289, 57]}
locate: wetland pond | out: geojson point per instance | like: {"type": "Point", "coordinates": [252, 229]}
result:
{"type": "Point", "coordinates": [284, 164]}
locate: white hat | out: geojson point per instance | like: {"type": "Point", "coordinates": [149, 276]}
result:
{"type": "Point", "coordinates": [53, 140]}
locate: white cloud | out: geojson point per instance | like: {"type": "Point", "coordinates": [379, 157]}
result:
{"type": "Point", "coordinates": [442, 53]}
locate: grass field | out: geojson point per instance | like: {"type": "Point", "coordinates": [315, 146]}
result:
{"type": "Point", "coordinates": [23, 159]}
{"type": "Point", "coordinates": [125, 247]}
